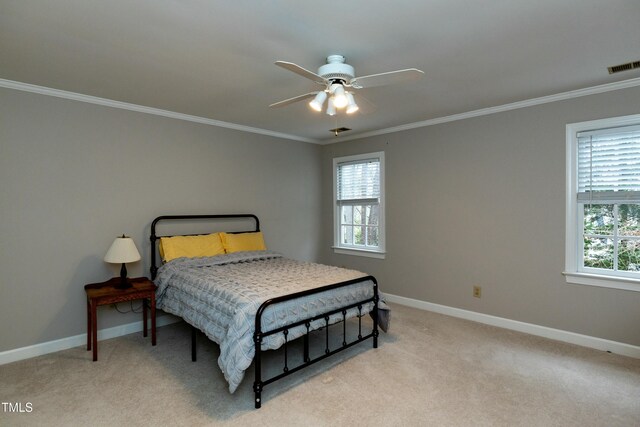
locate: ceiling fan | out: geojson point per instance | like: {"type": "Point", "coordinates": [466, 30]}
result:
{"type": "Point", "coordinates": [339, 81]}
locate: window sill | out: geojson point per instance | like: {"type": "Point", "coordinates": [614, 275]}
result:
{"type": "Point", "coordinates": [359, 252]}
{"type": "Point", "coordinates": [589, 279]}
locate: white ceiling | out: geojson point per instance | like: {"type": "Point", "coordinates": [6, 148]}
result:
{"type": "Point", "coordinates": [215, 59]}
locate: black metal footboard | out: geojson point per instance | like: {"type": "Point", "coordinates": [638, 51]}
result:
{"type": "Point", "coordinates": [258, 335]}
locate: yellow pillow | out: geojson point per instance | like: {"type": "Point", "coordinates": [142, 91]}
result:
{"type": "Point", "coordinates": [190, 246]}
{"type": "Point", "coordinates": [243, 242]}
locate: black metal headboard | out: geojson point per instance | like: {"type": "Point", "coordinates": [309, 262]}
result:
{"type": "Point", "coordinates": [154, 237]}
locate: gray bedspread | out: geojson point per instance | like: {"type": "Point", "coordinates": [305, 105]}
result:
{"type": "Point", "coordinates": [220, 296]}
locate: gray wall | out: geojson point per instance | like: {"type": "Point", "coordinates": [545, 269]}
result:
{"type": "Point", "coordinates": [74, 175]}
{"type": "Point", "coordinates": [482, 202]}
{"type": "Point", "coordinates": [478, 201]}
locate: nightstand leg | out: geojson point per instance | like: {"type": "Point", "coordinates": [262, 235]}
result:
{"type": "Point", "coordinates": [88, 325]}
{"type": "Point", "coordinates": [94, 331]}
{"type": "Point", "coordinates": [144, 317]}
{"type": "Point", "coordinates": [153, 319]}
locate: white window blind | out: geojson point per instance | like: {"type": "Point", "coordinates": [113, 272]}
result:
{"type": "Point", "coordinates": [609, 164]}
{"type": "Point", "coordinates": [358, 181]}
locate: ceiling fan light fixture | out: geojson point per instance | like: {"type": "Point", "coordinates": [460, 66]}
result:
{"type": "Point", "coordinates": [339, 96]}
{"type": "Point", "coordinates": [352, 107]}
{"type": "Point", "coordinates": [331, 109]}
{"type": "Point", "coordinates": [318, 101]}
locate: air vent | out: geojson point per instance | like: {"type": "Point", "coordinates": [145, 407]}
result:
{"type": "Point", "coordinates": [624, 67]}
{"type": "Point", "coordinates": [337, 131]}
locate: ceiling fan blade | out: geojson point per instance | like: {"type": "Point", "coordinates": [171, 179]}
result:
{"type": "Point", "coordinates": [302, 72]}
{"type": "Point", "coordinates": [382, 79]}
{"type": "Point", "coordinates": [292, 100]}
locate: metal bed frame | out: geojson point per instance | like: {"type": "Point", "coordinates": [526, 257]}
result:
{"type": "Point", "coordinates": [259, 383]}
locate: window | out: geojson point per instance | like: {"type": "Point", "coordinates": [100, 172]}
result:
{"type": "Point", "coordinates": [603, 203]}
{"type": "Point", "coordinates": [359, 205]}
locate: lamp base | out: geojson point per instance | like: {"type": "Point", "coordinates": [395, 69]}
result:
{"type": "Point", "coordinates": [124, 282]}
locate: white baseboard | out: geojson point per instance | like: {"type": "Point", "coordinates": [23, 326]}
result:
{"type": "Point", "coordinates": [515, 325]}
{"type": "Point", "coordinates": [78, 340]}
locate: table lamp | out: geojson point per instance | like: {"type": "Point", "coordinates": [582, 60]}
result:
{"type": "Point", "coordinates": [122, 250]}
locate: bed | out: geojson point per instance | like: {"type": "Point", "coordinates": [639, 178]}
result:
{"type": "Point", "coordinates": [250, 300]}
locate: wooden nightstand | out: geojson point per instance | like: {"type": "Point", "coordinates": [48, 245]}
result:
{"type": "Point", "coordinates": [108, 293]}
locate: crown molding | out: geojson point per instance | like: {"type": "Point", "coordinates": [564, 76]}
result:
{"type": "Point", "coordinates": [26, 87]}
{"type": "Point", "coordinates": [608, 87]}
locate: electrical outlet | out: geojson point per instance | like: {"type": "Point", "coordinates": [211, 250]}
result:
{"type": "Point", "coordinates": [477, 291]}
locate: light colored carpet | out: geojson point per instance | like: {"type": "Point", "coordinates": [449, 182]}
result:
{"type": "Point", "coordinates": [430, 370]}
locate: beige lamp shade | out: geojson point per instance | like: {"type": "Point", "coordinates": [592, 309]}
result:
{"type": "Point", "coordinates": [122, 250]}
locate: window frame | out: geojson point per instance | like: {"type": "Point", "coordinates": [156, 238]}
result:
{"type": "Point", "coordinates": [350, 250]}
{"type": "Point", "coordinates": [574, 272]}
